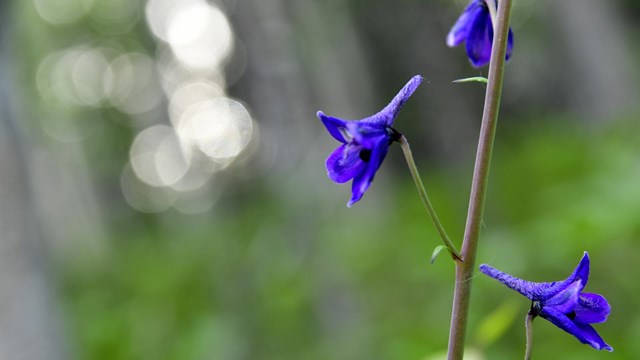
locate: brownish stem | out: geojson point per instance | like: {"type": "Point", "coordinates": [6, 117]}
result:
{"type": "Point", "coordinates": [464, 269]}
{"type": "Point", "coordinates": [529, 328]}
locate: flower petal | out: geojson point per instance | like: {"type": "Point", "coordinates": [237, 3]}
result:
{"type": "Point", "coordinates": [591, 308]}
{"type": "Point", "coordinates": [583, 332]}
{"type": "Point", "coordinates": [581, 272]}
{"type": "Point", "coordinates": [360, 184]}
{"type": "Point", "coordinates": [509, 44]}
{"type": "Point", "coordinates": [480, 39]}
{"type": "Point", "coordinates": [335, 126]}
{"type": "Point", "coordinates": [460, 30]}
{"type": "Point", "coordinates": [344, 163]}
{"type": "Point", "coordinates": [591, 333]}
{"type": "Point", "coordinates": [565, 300]}
{"type": "Point", "coordinates": [366, 134]}
{"type": "Point", "coordinates": [378, 153]}
{"type": "Point", "coordinates": [363, 180]}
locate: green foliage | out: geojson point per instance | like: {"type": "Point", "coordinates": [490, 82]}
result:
{"type": "Point", "coordinates": [245, 286]}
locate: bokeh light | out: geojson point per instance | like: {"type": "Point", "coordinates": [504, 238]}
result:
{"type": "Point", "coordinates": [198, 32]}
{"type": "Point", "coordinates": [221, 127]}
{"type": "Point", "coordinates": [143, 197]}
{"type": "Point", "coordinates": [159, 14]}
{"type": "Point", "coordinates": [88, 77]}
{"type": "Point", "coordinates": [192, 93]}
{"type": "Point", "coordinates": [200, 36]}
{"type": "Point", "coordinates": [196, 42]}
{"type": "Point", "coordinates": [132, 83]}
{"type": "Point", "coordinates": [174, 74]}
{"type": "Point", "coordinates": [115, 17]}
{"type": "Point", "coordinates": [59, 12]}
{"type": "Point", "coordinates": [74, 76]}
{"type": "Point", "coordinates": [156, 157]}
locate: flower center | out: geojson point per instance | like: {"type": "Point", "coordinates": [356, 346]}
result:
{"type": "Point", "coordinates": [365, 155]}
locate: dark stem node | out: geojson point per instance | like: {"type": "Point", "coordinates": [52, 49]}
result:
{"type": "Point", "coordinates": [535, 308]}
{"type": "Point", "coordinates": [394, 134]}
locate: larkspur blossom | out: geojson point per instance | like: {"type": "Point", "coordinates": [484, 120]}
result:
{"type": "Point", "coordinates": [562, 302]}
{"type": "Point", "coordinates": [476, 28]}
{"type": "Point", "coordinates": [364, 143]}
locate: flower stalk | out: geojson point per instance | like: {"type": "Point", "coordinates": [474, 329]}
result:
{"type": "Point", "coordinates": [529, 329]}
{"type": "Point", "coordinates": [406, 149]}
{"type": "Point", "coordinates": [465, 268]}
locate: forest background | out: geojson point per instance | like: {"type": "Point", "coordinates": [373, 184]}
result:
{"type": "Point", "coordinates": [163, 192]}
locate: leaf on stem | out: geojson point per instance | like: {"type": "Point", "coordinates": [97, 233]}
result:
{"type": "Point", "coordinates": [480, 79]}
{"type": "Point", "coordinates": [436, 252]}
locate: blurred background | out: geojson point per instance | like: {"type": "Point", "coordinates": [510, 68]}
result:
{"type": "Point", "coordinates": [163, 192]}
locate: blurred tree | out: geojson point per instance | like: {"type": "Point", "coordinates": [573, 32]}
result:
{"type": "Point", "coordinates": [29, 325]}
{"type": "Point", "coordinates": [601, 78]}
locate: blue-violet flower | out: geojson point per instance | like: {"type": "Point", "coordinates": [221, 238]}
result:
{"type": "Point", "coordinates": [364, 143]}
{"type": "Point", "coordinates": [476, 28]}
{"type": "Point", "coordinates": [563, 302]}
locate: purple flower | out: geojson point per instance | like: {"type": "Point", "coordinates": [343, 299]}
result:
{"type": "Point", "coordinates": [364, 143]}
{"type": "Point", "coordinates": [476, 28]}
{"type": "Point", "coordinates": [563, 302]}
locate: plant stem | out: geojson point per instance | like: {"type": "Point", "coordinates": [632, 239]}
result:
{"type": "Point", "coordinates": [529, 328]}
{"type": "Point", "coordinates": [406, 149]}
{"type": "Point", "coordinates": [493, 12]}
{"type": "Point", "coordinates": [464, 269]}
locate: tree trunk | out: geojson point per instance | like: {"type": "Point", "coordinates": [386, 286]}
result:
{"type": "Point", "coordinates": [29, 324]}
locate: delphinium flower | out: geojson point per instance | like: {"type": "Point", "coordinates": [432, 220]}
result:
{"type": "Point", "coordinates": [475, 26]}
{"type": "Point", "coordinates": [364, 143]}
{"type": "Point", "coordinates": [563, 302]}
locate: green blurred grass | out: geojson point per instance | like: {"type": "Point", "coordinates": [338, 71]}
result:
{"type": "Point", "coordinates": [357, 282]}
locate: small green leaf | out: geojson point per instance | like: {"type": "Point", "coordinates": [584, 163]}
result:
{"type": "Point", "coordinates": [480, 79]}
{"type": "Point", "coordinates": [436, 252]}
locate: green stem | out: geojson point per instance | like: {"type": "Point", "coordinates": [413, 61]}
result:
{"type": "Point", "coordinates": [464, 269]}
{"type": "Point", "coordinates": [529, 328]}
{"type": "Point", "coordinates": [406, 149]}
